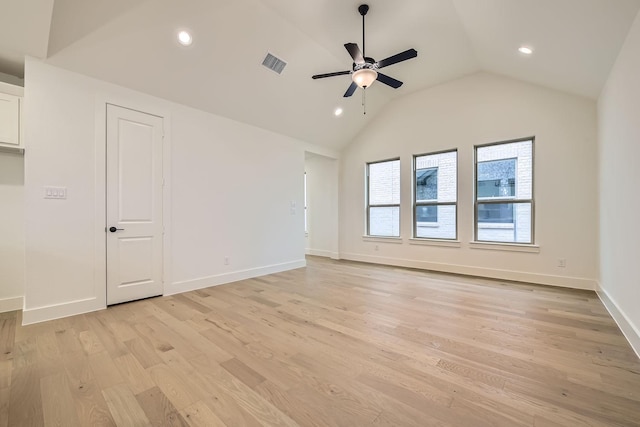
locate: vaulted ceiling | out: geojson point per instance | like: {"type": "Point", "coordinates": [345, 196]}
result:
{"type": "Point", "coordinates": [133, 43]}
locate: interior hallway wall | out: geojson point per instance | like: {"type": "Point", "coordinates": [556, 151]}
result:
{"type": "Point", "coordinates": [618, 154]}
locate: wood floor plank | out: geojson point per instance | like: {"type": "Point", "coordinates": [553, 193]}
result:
{"type": "Point", "coordinates": [192, 303]}
{"type": "Point", "coordinates": [224, 404]}
{"type": "Point", "coordinates": [149, 335]}
{"type": "Point", "coordinates": [104, 370]}
{"type": "Point", "coordinates": [161, 332]}
{"type": "Point", "coordinates": [7, 334]}
{"type": "Point", "coordinates": [345, 413]}
{"type": "Point", "coordinates": [90, 405]}
{"type": "Point", "coordinates": [197, 343]}
{"type": "Point", "coordinates": [90, 342]}
{"type": "Point", "coordinates": [49, 354]}
{"type": "Point", "coordinates": [290, 404]}
{"type": "Point", "coordinates": [174, 307]}
{"type": "Point", "coordinates": [4, 406]}
{"type": "Point", "coordinates": [124, 407]}
{"type": "Point", "coordinates": [242, 372]}
{"type": "Point", "coordinates": [133, 373]}
{"type": "Point", "coordinates": [68, 340]}
{"type": "Point", "coordinates": [249, 400]}
{"type": "Point", "coordinates": [25, 401]}
{"type": "Point", "coordinates": [143, 352]}
{"type": "Point", "coordinates": [330, 378]}
{"type": "Point", "coordinates": [336, 343]}
{"type": "Point", "coordinates": [98, 323]}
{"type": "Point", "coordinates": [200, 415]}
{"type": "Point", "coordinates": [159, 409]}
{"type": "Point", "coordinates": [58, 406]}
{"type": "Point", "coordinates": [174, 386]}
{"type": "Point", "coordinates": [5, 373]}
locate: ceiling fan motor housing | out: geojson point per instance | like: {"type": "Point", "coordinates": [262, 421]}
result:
{"type": "Point", "coordinates": [368, 63]}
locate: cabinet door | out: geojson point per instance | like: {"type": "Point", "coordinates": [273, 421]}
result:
{"type": "Point", "coordinates": [9, 119]}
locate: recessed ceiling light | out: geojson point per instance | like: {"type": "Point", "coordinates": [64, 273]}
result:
{"type": "Point", "coordinates": [526, 50]}
{"type": "Point", "coordinates": [184, 38]}
{"type": "Point", "coordinates": [338, 112]}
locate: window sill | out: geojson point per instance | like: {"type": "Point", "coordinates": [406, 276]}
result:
{"type": "Point", "coordinates": [509, 247]}
{"type": "Point", "coordinates": [435, 242]}
{"type": "Point", "coordinates": [428, 224]}
{"type": "Point", "coordinates": [495, 226]}
{"type": "Point", "coordinates": [382, 239]}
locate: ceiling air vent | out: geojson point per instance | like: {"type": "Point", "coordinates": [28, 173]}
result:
{"type": "Point", "coordinates": [274, 64]}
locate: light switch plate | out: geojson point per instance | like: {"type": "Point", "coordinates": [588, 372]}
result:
{"type": "Point", "coordinates": [55, 192]}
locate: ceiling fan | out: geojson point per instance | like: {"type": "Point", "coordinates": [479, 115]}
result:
{"type": "Point", "coordinates": [365, 69]}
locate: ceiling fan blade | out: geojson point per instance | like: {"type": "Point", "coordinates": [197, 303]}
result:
{"type": "Point", "coordinates": [390, 81]}
{"type": "Point", "coordinates": [399, 57]}
{"type": "Point", "coordinates": [355, 52]}
{"type": "Point", "coordinates": [337, 73]}
{"type": "Point", "coordinates": [351, 89]}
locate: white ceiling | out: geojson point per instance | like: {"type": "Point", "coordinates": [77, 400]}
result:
{"type": "Point", "coordinates": [24, 30]}
{"type": "Point", "coordinates": [132, 43]}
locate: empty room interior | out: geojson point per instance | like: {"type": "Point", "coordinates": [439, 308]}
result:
{"type": "Point", "coordinates": [319, 213]}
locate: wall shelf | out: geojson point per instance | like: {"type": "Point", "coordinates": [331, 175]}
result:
{"type": "Point", "coordinates": [12, 150]}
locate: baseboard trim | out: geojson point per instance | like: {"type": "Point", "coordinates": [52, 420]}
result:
{"type": "Point", "coordinates": [630, 332]}
{"type": "Point", "coordinates": [221, 279]}
{"type": "Point", "coordinates": [58, 311]}
{"type": "Point", "coordinates": [517, 276]}
{"type": "Point", "coordinates": [323, 253]}
{"type": "Point", "coordinates": [11, 304]}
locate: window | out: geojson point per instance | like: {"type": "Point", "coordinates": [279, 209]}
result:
{"type": "Point", "coordinates": [383, 198]}
{"type": "Point", "coordinates": [435, 195]}
{"type": "Point", "coordinates": [504, 192]}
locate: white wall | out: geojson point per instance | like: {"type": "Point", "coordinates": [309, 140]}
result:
{"type": "Point", "coordinates": [11, 231]}
{"type": "Point", "coordinates": [322, 205]}
{"type": "Point", "coordinates": [479, 109]}
{"type": "Point", "coordinates": [619, 151]}
{"type": "Point", "coordinates": [231, 188]}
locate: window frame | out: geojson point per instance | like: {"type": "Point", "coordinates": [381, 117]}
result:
{"type": "Point", "coordinates": [507, 199]}
{"type": "Point", "coordinates": [369, 205]}
{"type": "Point", "coordinates": [435, 202]}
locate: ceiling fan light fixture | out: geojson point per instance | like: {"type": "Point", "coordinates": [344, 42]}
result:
{"type": "Point", "coordinates": [364, 77]}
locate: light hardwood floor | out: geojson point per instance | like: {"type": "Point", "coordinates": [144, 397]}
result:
{"type": "Point", "coordinates": [333, 344]}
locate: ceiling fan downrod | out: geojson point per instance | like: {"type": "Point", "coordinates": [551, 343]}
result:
{"type": "Point", "coordinates": [363, 9]}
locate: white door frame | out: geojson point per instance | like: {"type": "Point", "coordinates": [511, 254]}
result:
{"type": "Point", "coordinates": [138, 103]}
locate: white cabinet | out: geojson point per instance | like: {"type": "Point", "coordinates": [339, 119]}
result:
{"type": "Point", "coordinates": [10, 116]}
{"type": "Point", "coordinates": [9, 120]}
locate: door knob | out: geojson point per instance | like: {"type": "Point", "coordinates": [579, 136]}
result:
{"type": "Point", "coordinates": [113, 229]}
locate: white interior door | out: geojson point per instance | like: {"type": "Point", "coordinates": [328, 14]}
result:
{"type": "Point", "coordinates": [134, 205]}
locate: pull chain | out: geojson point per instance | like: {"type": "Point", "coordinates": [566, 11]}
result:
{"type": "Point", "coordinates": [364, 100]}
